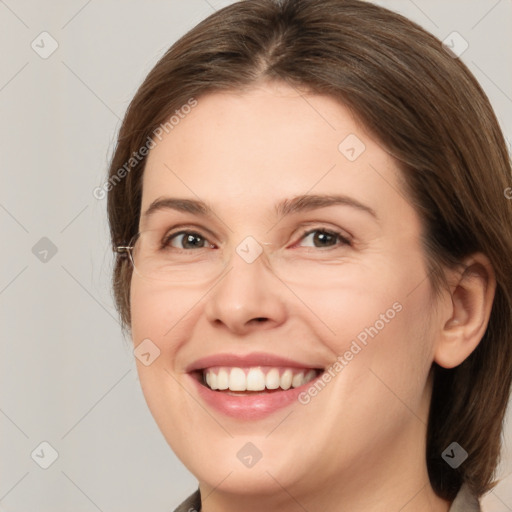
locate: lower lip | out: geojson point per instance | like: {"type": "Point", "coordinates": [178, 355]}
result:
{"type": "Point", "coordinates": [253, 406]}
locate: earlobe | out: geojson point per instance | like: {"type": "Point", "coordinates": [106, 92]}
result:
{"type": "Point", "coordinates": [472, 295]}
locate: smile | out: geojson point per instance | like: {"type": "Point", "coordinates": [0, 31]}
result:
{"type": "Point", "coordinates": [252, 386]}
{"type": "Point", "coordinates": [256, 379]}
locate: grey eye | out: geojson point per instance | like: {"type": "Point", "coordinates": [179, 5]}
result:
{"type": "Point", "coordinates": [187, 240]}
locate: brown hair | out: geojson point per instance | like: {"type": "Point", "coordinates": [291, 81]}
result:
{"type": "Point", "coordinates": [425, 108]}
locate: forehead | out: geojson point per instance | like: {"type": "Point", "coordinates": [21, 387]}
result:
{"type": "Point", "coordinates": [254, 148]}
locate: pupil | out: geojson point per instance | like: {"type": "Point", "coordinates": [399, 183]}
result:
{"type": "Point", "coordinates": [323, 238]}
{"type": "Point", "coordinates": [192, 241]}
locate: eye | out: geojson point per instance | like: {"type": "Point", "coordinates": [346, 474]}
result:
{"type": "Point", "coordinates": [323, 238]}
{"type": "Point", "coordinates": [186, 240]}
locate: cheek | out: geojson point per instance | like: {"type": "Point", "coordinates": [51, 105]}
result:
{"type": "Point", "coordinates": [383, 358]}
{"type": "Point", "coordinates": [165, 315]}
{"type": "Point", "coordinates": [149, 310]}
{"type": "Point", "coordinates": [158, 311]}
{"type": "Point", "coordinates": [153, 314]}
{"type": "Point", "coordinates": [376, 325]}
{"type": "Point", "coordinates": [159, 314]}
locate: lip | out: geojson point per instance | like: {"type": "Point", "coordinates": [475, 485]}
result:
{"type": "Point", "coordinates": [250, 406]}
{"type": "Point", "coordinates": [248, 360]}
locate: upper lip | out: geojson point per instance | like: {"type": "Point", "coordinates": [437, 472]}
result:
{"type": "Point", "coordinates": [247, 360]}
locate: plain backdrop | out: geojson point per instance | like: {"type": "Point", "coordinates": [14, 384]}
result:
{"type": "Point", "coordinates": [67, 376]}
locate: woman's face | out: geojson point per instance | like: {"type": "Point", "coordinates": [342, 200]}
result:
{"type": "Point", "coordinates": [301, 255]}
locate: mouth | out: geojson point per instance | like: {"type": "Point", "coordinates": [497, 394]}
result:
{"type": "Point", "coordinates": [238, 381]}
{"type": "Point", "coordinates": [251, 386]}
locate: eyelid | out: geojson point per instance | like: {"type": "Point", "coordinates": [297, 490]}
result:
{"type": "Point", "coordinates": [345, 237]}
{"type": "Point", "coordinates": [171, 237]}
{"type": "Point", "coordinates": [189, 228]}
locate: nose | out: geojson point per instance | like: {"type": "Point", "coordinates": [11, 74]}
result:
{"type": "Point", "coordinates": [248, 297]}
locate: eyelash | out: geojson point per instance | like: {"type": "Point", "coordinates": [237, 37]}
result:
{"type": "Point", "coordinates": [342, 239]}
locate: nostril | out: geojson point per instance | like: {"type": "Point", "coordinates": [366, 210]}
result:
{"type": "Point", "coordinates": [260, 319]}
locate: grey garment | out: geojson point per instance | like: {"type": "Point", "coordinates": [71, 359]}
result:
{"type": "Point", "coordinates": [191, 504]}
{"type": "Point", "coordinates": [464, 502]}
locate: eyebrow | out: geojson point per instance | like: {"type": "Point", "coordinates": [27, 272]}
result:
{"type": "Point", "coordinates": [286, 207]}
{"type": "Point", "coordinates": [313, 202]}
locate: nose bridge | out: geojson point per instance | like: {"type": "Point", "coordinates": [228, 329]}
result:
{"type": "Point", "coordinates": [249, 294]}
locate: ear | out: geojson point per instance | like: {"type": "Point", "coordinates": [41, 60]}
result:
{"type": "Point", "coordinates": [466, 315]}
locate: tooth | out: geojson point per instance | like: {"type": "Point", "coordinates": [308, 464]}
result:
{"type": "Point", "coordinates": [213, 380]}
{"type": "Point", "coordinates": [222, 379]}
{"type": "Point", "coordinates": [272, 379]}
{"type": "Point", "coordinates": [298, 380]}
{"type": "Point", "coordinates": [237, 380]}
{"type": "Point", "coordinates": [255, 380]}
{"type": "Point", "coordinates": [286, 379]}
{"type": "Point", "coordinates": [309, 376]}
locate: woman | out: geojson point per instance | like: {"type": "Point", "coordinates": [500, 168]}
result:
{"type": "Point", "coordinates": [307, 202]}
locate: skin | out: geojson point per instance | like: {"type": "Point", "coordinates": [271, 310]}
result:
{"type": "Point", "coordinates": [360, 443]}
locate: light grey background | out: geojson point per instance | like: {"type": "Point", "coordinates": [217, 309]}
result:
{"type": "Point", "coordinates": [67, 377]}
